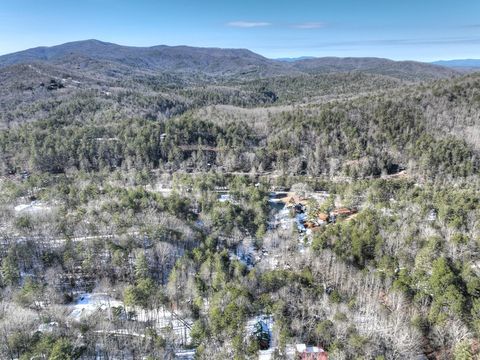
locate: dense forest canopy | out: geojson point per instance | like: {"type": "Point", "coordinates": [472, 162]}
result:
{"type": "Point", "coordinates": [214, 204]}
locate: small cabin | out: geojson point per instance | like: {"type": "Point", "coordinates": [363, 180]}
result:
{"type": "Point", "coordinates": [311, 352]}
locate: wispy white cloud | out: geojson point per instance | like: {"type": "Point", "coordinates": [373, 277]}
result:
{"type": "Point", "coordinates": [309, 25]}
{"type": "Point", "coordinates": [248, 24]}
{"type": "Point", "coordinates": [355, 44]}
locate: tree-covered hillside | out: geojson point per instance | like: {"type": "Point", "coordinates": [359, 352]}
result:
{"type": "Point", "coordinates": [173, 203]}
{"type": "Point", "coordinates": [429, 129]}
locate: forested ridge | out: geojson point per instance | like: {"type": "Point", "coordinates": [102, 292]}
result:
{"type": "Point", "coordinates": [150, 212]}
{"type": "Point", "coordinates": [427, 128]}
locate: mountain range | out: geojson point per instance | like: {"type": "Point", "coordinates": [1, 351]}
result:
{"type": "Point", "coordinates": [112, 59]}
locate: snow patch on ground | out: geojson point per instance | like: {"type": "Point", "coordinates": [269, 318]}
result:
{"type": "Point", "coordinates": [282, 219]}
{"type": "Point", "coordinates": [87, 304]}
{"type": "Point", "coordinates": [48, 327]}
{"type": "Point", "coordinates": [33, 207]}
{"type": "Point", "coordinates": [224, 198]}
{"type": "Point", "coordinates": [185, 354]}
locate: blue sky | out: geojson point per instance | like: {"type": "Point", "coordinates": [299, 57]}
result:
{"type": "Point", "coordinates": [398, 29]}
